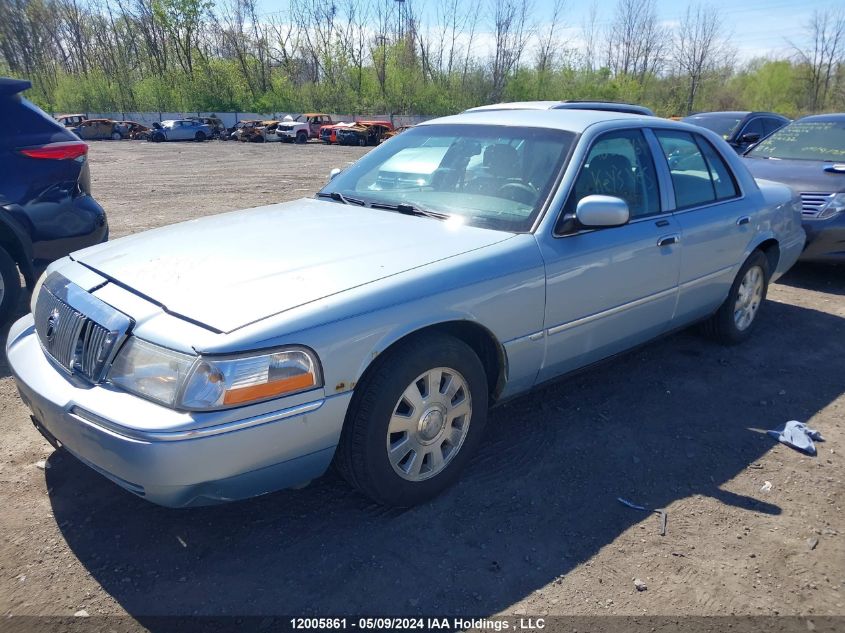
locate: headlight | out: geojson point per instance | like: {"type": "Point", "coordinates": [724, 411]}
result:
{"type": "Point", "coordinates": [232, 381]}
{"type": "Point", "coordinates": [150, 371]}
{"type": "Point", "coordinates": [834, 206]}
{"type": "Point", "coordinates": [183, 381]}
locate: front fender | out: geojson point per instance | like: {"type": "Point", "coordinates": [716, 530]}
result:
{"type": "Point", "coordinates": [16, 238]}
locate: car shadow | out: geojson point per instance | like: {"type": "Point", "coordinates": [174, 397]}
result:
{"type": "Point", "coordinates": [828, 278]}
{"type": "Point", "coordinates": [679, 418]}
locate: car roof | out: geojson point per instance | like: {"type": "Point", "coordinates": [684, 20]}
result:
{"type": "Point", "coordinates": [609, 106]}
{"type": "Point", "coordinates": [822, 118]}
{"type": "Point", "coordinates": [572, 120]}
{"type": "Point", "coordinates": [9, 86]}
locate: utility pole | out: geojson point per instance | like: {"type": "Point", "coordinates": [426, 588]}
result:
{"type": "Point", "coordinates": [400, 4]}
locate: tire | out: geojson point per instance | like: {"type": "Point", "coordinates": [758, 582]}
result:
{"type": "Point", "coordinates": [301, 138]}
{"type": "Point", "coordinates": [158, 137]}
{"type": "Point", "coordinates": [734, 321]}
{"type": "Point", "coordinates": [10, 285]}
{"type": "Point", "coordinates": [199, 136]}
{"type": "Point", "coordinates": [116, 136]}
{"type": "Point", "coordinates": [436, 426]}
{"type": "Point", "coordinates": [362, 142]}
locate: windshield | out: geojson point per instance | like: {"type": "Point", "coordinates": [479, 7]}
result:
{"type": "Point", "coordinates": [490, 176]}
{"type": "Point", "coordinates": [805, 140]}
{"type": "Point", "coordinates": [723, 125]}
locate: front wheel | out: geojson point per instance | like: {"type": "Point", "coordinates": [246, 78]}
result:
{"type": "Point", "coordinates": [415, 422]}
{"type": "Point", "coordinates": [735, 319]}
{"type": "Point", "coordinates": [116, 136]}
{"type": "Point", "coordinates": [301, 138]}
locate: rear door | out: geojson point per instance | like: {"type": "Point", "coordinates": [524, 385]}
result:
{"type": "Point", "coordinates": [713, 217]}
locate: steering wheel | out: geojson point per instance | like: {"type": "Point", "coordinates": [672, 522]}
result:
{"type": "Point", "coordinates": [518, 192]}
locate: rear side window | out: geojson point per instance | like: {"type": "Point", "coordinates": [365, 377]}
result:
{"type": "Point", "coordinates": [699, 175]}
{"type": "Point", "coordinates": [723, 180]}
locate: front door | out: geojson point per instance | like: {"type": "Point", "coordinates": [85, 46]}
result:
{"type": "Point", "coordinates": [612, 288]}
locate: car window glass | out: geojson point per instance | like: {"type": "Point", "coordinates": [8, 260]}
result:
{"type": "Point", "coordinates": [690, 174]}
{"type": "Point", "coordinates": [484, 175]}
{"type": "Point", "coordinates": [754, 126]}
{"type": "Point", "coordinates": [770, 125]}
{"type": "Point", "coordinates": [723, 180]}
{"type": "Point", "coordinates": [619, 164]}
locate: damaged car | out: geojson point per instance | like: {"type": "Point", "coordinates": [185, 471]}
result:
{"type": "Point", "coordinates": [179, 130]}
{"type": "Point", "coordinates": [371, 327]}
{"type": "Point", "coordinates": [364, 133]}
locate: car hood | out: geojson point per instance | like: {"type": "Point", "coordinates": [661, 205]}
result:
{"type": "Point", "coordinates": [229, 270]}
{"type": "Point", "coordinates": [801, 175]}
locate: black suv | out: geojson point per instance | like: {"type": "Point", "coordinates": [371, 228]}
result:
{"type": "Point", "coordinates": [46, 208]}
{"type": "Point", "coordinates": [740, 129]}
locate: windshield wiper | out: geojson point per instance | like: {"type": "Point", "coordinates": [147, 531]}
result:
{"type": "Point", "coordinates": [410, 209]}
{"type": "Point", "coordinates": [339, 197]}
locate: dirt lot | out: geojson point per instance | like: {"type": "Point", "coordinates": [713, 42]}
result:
{"type": "Point", "coordinates": [533, 528]}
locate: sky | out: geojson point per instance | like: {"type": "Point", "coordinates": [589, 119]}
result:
{"type": "Point", "coordinates": [758, 27]}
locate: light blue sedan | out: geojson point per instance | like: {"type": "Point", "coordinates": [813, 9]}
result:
{"type": "Point", "coordinates": [459, 264]}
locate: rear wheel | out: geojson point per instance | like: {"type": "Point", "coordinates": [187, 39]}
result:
{"type": "Point", "coordinates": [10, 285]}
{"type": "Point", "coordinates": [199, 136]}
{"type": "Point", "coordinates": [735, 319]}
{"type": "Point", "coordinates": [415, 422]}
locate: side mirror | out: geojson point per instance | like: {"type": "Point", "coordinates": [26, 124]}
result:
{"type": "Point", "coordinates": [602, 211]}
{"type": "Point", "coordinates": [751, 137]}
{"type": "Point", "coordinates": [334, 172]}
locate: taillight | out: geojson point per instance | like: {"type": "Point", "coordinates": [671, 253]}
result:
{"type": "Point", "coordinates": [64, 150]}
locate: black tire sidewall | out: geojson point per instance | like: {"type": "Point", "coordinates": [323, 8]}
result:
{"type": "Point", "coordinates": [200, 136]}
{"type": "Point", "coordinates": [12, 284]}
{"type": "Point", "coordinates": [728, 327]}
{"type": "Point", "coordinates": [390, 381]}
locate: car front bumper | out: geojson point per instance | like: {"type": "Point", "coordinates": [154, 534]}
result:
{"type": "Point", "coordinates": [825, 240]}
{"type": "Point", "coordinates": [198, 466]}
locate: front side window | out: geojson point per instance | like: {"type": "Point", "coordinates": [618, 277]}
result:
{"type": "Point", "coordinates": [489, 176]}
{"type": "Point", "coordinates": [691, 174]}
{"type": "Point", "coordinates": [619, 164]}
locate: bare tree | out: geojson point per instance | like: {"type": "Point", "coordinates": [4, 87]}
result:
{"type": "Point", "coordinates": [699, 48]}
{"type": "Point", "coordinates": [636, 42]}
{"type": "Point", "coordinates": [825, 51]}
{"type": "Point", "coordinates": [550, 42]}
{"type": "Point", "coordinates": [590, 35]}
{"type": "Point", "coordinates": [511, 32]}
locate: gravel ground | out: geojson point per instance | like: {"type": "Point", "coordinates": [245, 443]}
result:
{"type": "Point", "coordinates": [533, 528]}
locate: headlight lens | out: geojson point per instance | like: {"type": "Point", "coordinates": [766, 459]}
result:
{"type": "Point", "coordinates": [151, 371]}
{"type": "Point", "coordinates": [183, 381]}
{"type": "Point", "coordinates": [227, 382]}
{"type": "Point", "coordinates": [834, 206]}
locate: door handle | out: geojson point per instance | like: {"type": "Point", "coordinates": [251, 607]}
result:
{"type": "Point", "coordinates": [743, 220]}
{"type": "Point", "coordinates": [662, 223]}
{"type": "Point", "coordinates": [668, 240]}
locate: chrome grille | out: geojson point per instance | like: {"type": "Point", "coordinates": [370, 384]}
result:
{"type": "Point", "coordinates": [813, 203]}
{"type": "Point", "coordinates": [80, 332]}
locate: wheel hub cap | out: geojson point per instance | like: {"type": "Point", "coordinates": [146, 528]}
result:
{"type": "Point", "coordinates": [429, 424]}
